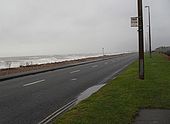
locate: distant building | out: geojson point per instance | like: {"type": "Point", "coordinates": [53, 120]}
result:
{"type": "Point", "coordinates": [165, 50]}
{"type": "Point", "coordinates": [162, 49]}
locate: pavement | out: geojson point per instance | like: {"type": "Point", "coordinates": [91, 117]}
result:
{"type": "Point", "coordinates": [31, 99]}
{"type": "Point", "coordinates": [153, 116]}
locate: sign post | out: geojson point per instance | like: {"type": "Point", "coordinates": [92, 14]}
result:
{"type": "Point", "coordinates": [141, 45]}
{"type": "Point", "coordinates": [138, 22]}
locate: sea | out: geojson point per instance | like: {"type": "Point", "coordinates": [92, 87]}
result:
{"type": "Point", "coordinates": [14, 62]}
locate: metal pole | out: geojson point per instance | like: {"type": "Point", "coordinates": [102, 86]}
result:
{"type": "Point", "coordinates": [103, 51]}
{"type": "Point", "coordinates": [146, 42]}
{"type": "Point", "coordinates": [150, 44]}
{"type": "Point", "coordinates": [141, 45]}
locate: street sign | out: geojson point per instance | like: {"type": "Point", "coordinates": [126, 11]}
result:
{"type": "Point", "coordinates": [134, 21]}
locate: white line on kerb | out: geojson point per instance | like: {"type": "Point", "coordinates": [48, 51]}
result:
{"type": "Point", "coordinates": [74, 71]}
{"type": "Point", "coordinates": [94, 66]}
{"type": "Point", "coordinates": [33, 83]}
{"type": "Point", "coordinates": [58, 112]}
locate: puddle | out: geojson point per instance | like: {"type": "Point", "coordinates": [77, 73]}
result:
{"type": "Point", "coordinates": [87, 93]}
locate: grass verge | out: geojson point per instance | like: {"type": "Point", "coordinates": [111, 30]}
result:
{"type": "Point", "coordinates": [120, 100]}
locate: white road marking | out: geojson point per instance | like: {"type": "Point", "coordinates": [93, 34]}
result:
{"type": "Point", "coordinates": [58, 112]}
{"type": "Point", "coordinates": [94, 66]}
{"type": "Point", "coordinates": [33, 83]}
{"type": "Point", "coordinates": [74, 79]}
{"type": "Point", "coordinates": [74, 71]}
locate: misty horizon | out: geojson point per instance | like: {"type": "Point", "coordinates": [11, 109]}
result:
{"type": "Point", "coordinates": [59, 27]}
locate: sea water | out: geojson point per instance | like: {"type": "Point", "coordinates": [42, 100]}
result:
{"type": "Point", "coordinates": [13, 62]}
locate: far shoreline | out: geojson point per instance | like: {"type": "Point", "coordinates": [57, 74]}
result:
{"type": "Point", "coordinates": [36, 67]}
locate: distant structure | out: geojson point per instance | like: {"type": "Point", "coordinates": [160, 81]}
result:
{"type": "Point", "coordinates": [165, 50]}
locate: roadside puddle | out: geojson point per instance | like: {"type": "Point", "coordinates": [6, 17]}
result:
{"type": "Point", "coordinates": [87, 93]}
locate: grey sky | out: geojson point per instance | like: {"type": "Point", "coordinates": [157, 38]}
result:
{"type": "Point", "coordinates": [36, 27]}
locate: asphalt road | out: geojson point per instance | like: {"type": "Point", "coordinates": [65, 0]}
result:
{"type": "Point", "coordinates": [30, 99]}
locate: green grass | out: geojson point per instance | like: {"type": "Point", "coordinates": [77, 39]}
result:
{"type": "Point", "coordinates": [120, 100]}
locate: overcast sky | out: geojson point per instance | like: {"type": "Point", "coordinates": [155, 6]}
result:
{"type": "Point", "coordinates": [41, 27]}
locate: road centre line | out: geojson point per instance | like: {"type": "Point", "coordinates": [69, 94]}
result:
{"type": "Point", "coordinates": [74, 79]}
{"type": "Point", "coordinates": [34, 83]}
{"type": "Point", "coordinates": [74, 71]}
